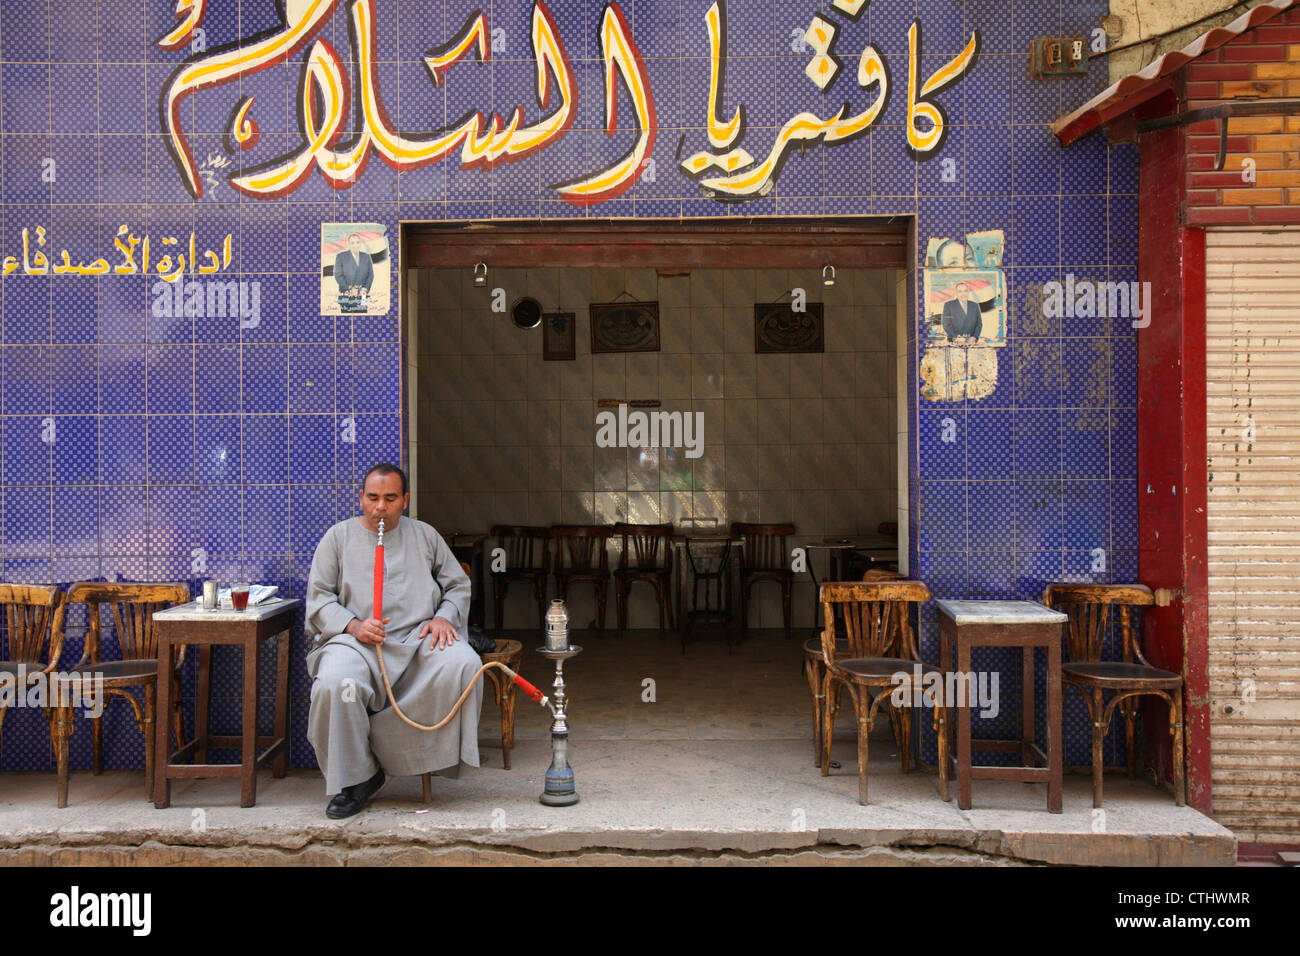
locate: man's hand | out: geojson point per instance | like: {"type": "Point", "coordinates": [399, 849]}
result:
{"type": "Point", "coordinates": [440, 631]}
{"type": "Point", "coordinates": [369, 631]}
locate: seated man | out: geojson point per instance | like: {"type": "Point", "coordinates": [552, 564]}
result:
{"type": "Point", "coordinates": [351, 725]}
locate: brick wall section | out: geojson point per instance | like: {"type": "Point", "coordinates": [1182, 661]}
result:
{"type": "Point", "coordinates": [1261, 64]}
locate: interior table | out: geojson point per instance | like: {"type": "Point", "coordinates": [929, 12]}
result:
{"type": "Point", "coordinates": [190, 624]}
{"type": "Point", "coordinates": [879, 548]}
{"type": "Point", "coordinates": [1026, 625]}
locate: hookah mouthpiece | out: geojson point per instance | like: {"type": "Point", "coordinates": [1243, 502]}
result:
{"type": "Point", "coordinates": [381, 531]}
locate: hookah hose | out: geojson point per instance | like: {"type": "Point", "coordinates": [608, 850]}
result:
{"type": "Point", "coordinates": [378, 612]}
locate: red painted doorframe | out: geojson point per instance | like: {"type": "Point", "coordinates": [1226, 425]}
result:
{"type": "Point", "coordinates": [1171, 448]}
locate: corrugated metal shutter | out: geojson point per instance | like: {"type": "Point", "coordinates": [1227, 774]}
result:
{"type": "Point", "coordinates": [1253, 423]}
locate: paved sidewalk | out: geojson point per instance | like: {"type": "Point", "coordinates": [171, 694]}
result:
{"type": "Point", "coordinates": [718, 769]}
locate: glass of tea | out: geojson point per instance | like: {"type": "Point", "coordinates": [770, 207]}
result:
{"type": "Point", "coordinates": [239, 596]}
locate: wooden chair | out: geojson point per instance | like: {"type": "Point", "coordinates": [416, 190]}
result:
{"type": "Point", "coordinates": [131, 609]}
{"type": "Point", "coordinates": [710, 566]}
{"type": "Point", "coordinates": [814, 667]}
{"type": "Point", "coordinates": [1088, 608]}
{"type": "Point", "coordinates": [509, 653]}
{"type": "Point", "coordinates": [581, 558]}
{"type": "Point", "coordinates": [647, 556]}
{"type": "Point", "coordinates": [528, 559]}
{"type": "Point", "coordinates": [764, 556]}
{"type": "Point", "coordinates": [34, 614]}
{"type": "Point", "coordinates": [879, 644]}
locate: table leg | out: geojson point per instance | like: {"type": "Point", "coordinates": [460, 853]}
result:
{"type": "Point", "coordinates": [201, 727]}
{"type": "Point", "coordinates": [248, 745]}
{"type": "Point", "coordinates": [1055, 751]}
{"type": "Point", "coordinates": [162, 753]}
{"type": "Point", "coordinates": [963, 732]}
{"type": "Point", "coordinates": [281, 703]}
{"type": "Point", "coordinates": [1028, 728]}
{"type": "Point", "coordinates": [945, 665]}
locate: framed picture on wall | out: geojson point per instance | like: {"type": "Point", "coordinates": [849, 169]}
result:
{"type": "Point", "coordinates": [558, 341]}
{"type": "Point", "coordinates": [624, 327]}
{"type": "Point", "coordinates": [779, 328]}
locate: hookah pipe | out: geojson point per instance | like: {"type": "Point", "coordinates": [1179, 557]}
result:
{"type": "Point", "coordinates": [378, 612]}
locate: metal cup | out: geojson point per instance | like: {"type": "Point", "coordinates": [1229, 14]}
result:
{"type": "Point", "coordinates": [209, 595]}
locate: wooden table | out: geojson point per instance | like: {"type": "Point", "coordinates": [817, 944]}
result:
{"type": "Point", "coordinates": [1022, 624]}
{"type": "Point", "coordinates": [190, 624]}
{"type": "Point", "coordinates": [881, 549]}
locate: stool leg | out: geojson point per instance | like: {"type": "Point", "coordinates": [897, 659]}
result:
{"type": "Point", "coordinates": [426, 785]}
{"type": "Point", "coordinates": [861, 707]}
{"type": "Point", "coordinates": [1130, 720]}
{"type": "Point", "coordinates": [905, 736]}
{"type": "Point", "coordinates": [831, 698]}
{"type": "Point", "coordinates": [1176, 728]}
{"type": "Point", "coordinates": [1098, 732]}
{"type": "Point", "coordinates": [150, 736]}
{"type": "Point", "coordinates": [507, 723]}
{"type": "Point", "coordinates": [813, 670]}
{"type": "Point", "coordinates": [97, 745]}
{"type": "Point", "coordinates": [60, 731]}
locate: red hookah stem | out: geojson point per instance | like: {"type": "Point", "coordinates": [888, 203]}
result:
{"type": "Point", "coordinates": [527, 688]}
{"type": "Point", "coordinates": [379, 582]}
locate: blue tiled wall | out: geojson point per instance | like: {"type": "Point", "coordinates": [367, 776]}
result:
{"type": "Point", "coordinates": [179, 442]}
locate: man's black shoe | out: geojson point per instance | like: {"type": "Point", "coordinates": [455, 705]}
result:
{"type": "Point", "coordinates": [353, 799]}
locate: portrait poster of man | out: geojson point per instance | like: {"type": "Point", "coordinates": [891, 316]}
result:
{"type": "Point", "coordinates": [356, 274]}
{"type": "Point", "coordinates": [965, 308]}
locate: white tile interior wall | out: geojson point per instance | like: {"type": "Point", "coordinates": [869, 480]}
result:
{"type": "Point", "coordinates": [504, 437]}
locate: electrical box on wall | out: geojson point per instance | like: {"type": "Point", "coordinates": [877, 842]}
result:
{"type": "Point", "coordinates": [1058, 56]}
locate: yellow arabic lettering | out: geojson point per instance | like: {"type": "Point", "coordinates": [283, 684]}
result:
{"type": "Point", "coordinates": [622, 60]}
{"type": "Point", "coordinates": [127, 266]}
{"type": "Point", "coordinates": [721, 135]}
{"type": "Point", "coordinates": [919, 142]}
{"type": "Point", "coordinates": [34, 265]}
{"type": "Point", "coordinates": [190, 13]}
{"type": "Point", "coordinates": [484, 143]}
{"type": "Point", "coordinates": [303, 20]}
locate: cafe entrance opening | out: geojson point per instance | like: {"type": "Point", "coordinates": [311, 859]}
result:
{"type": "Point", "coordinates": [695, 375]}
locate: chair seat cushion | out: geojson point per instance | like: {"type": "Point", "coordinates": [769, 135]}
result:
{"type": "Point", "coordinates": [1118, 672]}
{"type": "Point", "coordinates": [877, 668]}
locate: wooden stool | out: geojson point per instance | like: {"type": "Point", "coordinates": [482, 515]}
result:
{"type": "Point", "coordinates": [509, 653]}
